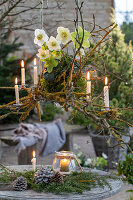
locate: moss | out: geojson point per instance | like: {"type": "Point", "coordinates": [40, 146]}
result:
{"type": "Point", "coordinates": [79, 84]}
{"type": "Point", "coordinates": [54, 81]}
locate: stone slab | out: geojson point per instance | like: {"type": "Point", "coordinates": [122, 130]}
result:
{"type": "Point", "coordinates": [95, 194]}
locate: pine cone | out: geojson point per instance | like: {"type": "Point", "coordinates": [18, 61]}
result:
{"type": "Point", "coordinates": [57, 177]}
{"type": "Point", "coordinates": [20, 184]}
{"type": "Point", "coordinates": [43, 175]}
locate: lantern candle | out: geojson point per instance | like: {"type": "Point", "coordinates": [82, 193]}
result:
{"type": "Point", "coordinates": [35, 71]}
{"type": "Point", "coordinates": [16, 91]}
{"type": "Point", "coordinates": [106, 94]}
{"type": "Point", "coordinates": [22, 73]}
{"type": "Point", "coordinates": [34, 161]}
{"type": "Point", "coordinates": [88, 86]}
{"type": "Point", "coordinates": [64, 165]}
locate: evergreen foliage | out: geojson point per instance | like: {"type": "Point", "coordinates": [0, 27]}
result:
{"type": "Point", "coordinates": [126, 168]}
{"type": "Point", "coordinates": [74, 183]}
{"type": "Point", "coordinates": [49, 111]}
{"type": "Point", "coordinates": [127, 29]}
{"type": "Point", "coordinates": [9, 69]}
{"type": "Point", "coordinates": [117, 60]}
{"type": "Point", "coordinates": [79, 118]}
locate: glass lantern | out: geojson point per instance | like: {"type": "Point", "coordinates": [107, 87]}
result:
{"type": "Point", "coordinates": [66, 162]}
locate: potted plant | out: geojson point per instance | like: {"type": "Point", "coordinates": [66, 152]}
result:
{"type": "Point", "coordinates": [109, 145]}
{"type": "Point", "coordinates": [125, 168]}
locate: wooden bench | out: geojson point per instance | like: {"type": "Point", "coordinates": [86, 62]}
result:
{"type": "Point", "coordinates": [26, 155]}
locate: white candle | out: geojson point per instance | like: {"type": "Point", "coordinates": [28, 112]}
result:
{"type": "Point", "coordinates": [35, 71]}
{"type": "Point", "coordinates": [34, 161]}
{"type": "Point", "coordinates": [16, 91]}
{"type": "Point", "coordinates": [64, 165]}
{"type": "Point", "coordinates": [22, 73]}
{"type": "Point", "coordinates": [88, 90]}
{"type": "Point", "coordinates": [106, 94]}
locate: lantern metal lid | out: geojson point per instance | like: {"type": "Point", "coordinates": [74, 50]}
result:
{"type": "Point", "coordinates": [66, 162]}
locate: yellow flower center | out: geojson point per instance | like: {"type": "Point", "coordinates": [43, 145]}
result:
{"type": "Point", "coordinates": [64, 35]}
{"type": "Point", "coordinates": [53, 43]}
{"type": "Point", "coordinates": [43, 54]}
{"type": "Point", "coordinates": [40, 36]}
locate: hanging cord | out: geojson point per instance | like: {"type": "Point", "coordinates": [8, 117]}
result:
{"type": "Point", "coordinates": [41, 14]}
{"type": "Point", "coordinates": [47, 3]}
{"type": "Point", "coordinates": [41, 25]}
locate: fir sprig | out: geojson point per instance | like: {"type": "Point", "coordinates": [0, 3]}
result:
{"type": "Point", "coordinates": [74, 183]}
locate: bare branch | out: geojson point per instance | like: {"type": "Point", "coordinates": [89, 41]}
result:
{"type": "Point", "coordinates": [9, 10]}
{"type": "Point", "coordinates": [31, 8]}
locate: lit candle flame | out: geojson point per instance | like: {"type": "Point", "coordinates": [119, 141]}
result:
{"type": "Point", "coordinates": [35, 61]}
{"type": "Point", "coordinates": [88, 76]}
{"type": "Point", "coordinates": [22, 63]}
{"type": "Point", "coordinates": [106, 80]}
{"type": "Point", "coordinates": [34, 154]}
{"type": "Point", "coordinates": [16, 81]}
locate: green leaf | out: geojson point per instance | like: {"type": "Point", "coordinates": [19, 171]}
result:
{"type": "Point", "coordinates": [56, 54]}
{"type": "Point", "coordinates": [129, 191]}
{"type": "Point", "coordinates": [88, 62]}
{"type": "Point", "coordinates": [87, 35]}
{"type": "Point", "coordinates": [50, 64]}
{"type": "Point", "coordinates": [50, 68]}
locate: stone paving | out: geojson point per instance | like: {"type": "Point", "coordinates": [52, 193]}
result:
{"type": "Point", "coordinates": [123, 195]}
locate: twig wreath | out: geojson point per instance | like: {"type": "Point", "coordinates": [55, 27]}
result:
{"type": "Point", "coordinates": [62, 78]}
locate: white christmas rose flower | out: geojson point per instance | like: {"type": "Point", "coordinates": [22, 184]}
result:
{"type": "Point", "coordinates": [104, 155]}
{"type": "Point", "coordinates": [80, 53]}
{"type": "Point", "coordinates": [43, 54]}
{"type": "Point", "coordinates": [40, 37]}
{"type": "Point", "coordinates": [88, 162]}
{"type": "Point", "coordinates": [53, 44]}
{"type": "Point", "coordinates": [64, 35]}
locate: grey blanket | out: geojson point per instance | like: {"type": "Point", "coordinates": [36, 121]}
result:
{"type": "Point", "coordinates": [51, 135]}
